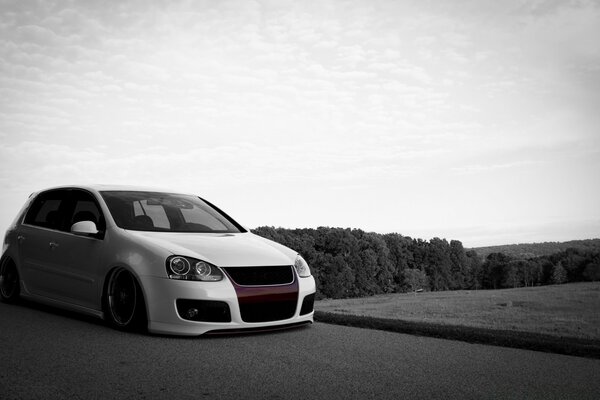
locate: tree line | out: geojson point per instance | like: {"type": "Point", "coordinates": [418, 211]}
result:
{"type": "Point", "coordinates": [354, 263]}
{"type": "Point", "coordinates": [531, 250]}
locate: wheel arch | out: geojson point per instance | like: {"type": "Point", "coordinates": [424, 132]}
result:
{"type": "Point", "coordinates": [9, 256]}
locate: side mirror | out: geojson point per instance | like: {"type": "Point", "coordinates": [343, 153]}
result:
{"type": "Point", "coordinates": [84, 228]}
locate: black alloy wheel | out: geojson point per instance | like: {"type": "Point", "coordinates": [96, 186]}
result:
{"type": "Point", "coordinates": [9, 281]}
{"type": "Point", "coordinates": [125, 308]}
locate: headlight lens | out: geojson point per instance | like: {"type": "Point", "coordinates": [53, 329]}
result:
{"type": "Point", "coordinates": [203, 269]}
{"type": "Point", "coordinates": [191, 269]}
{"type": "Point", "coordinates": [180, 266]}
{"type": "Point", "coordinates": [301, 267]}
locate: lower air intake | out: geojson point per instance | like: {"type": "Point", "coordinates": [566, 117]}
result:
{"type": "Point", "coordinates": [308, 304]}
{"type": "Point", "coordinates": [203, 310]}
{"type": "Point", "coordinates": [268, 311]}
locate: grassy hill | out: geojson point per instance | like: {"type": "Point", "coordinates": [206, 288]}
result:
{"type": "Point", "coordinates": [560, 319]}
{"type": "Point", "coordinates": [530, 250]}
{"type": "Point", "coordinates": [563, 311]}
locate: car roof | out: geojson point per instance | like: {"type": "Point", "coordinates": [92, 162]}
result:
{"type": "Point", "coordinates": [110, 187]}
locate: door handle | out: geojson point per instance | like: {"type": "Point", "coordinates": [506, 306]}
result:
{"type": "Point", "coordinates": [20, 238]}
{"type": "Point", "coordinates": [53, 245]}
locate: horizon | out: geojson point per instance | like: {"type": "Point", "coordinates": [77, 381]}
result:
{"type": "Point", "coordinates": [475, 121]}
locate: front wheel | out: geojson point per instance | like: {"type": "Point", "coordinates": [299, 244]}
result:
{"type": "Point", "coordinates": [9, 281]}
{"type": "Point", "coordinates": [124, 302]}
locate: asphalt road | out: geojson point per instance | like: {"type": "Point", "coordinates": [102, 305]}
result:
{"type": "Point", "coordinates": [48, 354]}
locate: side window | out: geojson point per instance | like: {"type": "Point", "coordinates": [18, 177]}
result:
{"type": "Point", "coordinates": [46, 210]}
{"type": "Point", "coordinates": [85, 208]}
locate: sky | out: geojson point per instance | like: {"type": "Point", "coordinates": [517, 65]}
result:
{"type": "Point", "coordinates": [471, 120]}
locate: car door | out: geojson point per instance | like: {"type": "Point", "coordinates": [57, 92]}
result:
{"type": "Point", "coordinates": [58, 264]}
{"type": "Point", "coordinates": [80, 257]}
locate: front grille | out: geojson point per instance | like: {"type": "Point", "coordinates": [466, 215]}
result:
{"type": "Point", "coordinates": [261, 276]}
{"type": "Point", "coordinates": [203, 310]}
{"type": "Point", "coordinates": [268, 311]}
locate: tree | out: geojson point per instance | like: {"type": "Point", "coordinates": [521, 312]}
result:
{"type": "Point", "coordinates": [573, 261]}
{"type": "Point", "coordinates": [530, 271]}
{"type": "Point", "coordinates": [494, 269]}
{"type": "Point", "coordinates": [400, 254]}
{"type": "Point", "coordinates": [592, 272]}
{"type": "Point", "coordinates": [460, 267]}
{"type": "Point", "coordinates": [511, 274]}
{"type": "Point", "coordinates": [439, 264]}
{"type": "Point", "coordinates": [414, 279]}
{"type": "Point", "coordinates": [475, 277]}
{"type": "Point", "coordinates": [336, 279]}
{"type": "Point", "coordinates": [537, 271]}
{"type": "Point", "coordinates": [559, 274]}
{"type": "Point", "coordinates": [384, 272]}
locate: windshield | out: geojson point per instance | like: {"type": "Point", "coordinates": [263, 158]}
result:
{"type": "Point", "coordinates": [167, 212]}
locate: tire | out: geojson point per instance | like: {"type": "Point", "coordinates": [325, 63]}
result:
{"type": "Point", "coordinates": [9, 281]}
{"type": "Point", "coordinates": [124, 307]}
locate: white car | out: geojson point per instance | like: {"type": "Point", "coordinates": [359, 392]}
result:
{"type": "Point", "coordinates": [141, 258]}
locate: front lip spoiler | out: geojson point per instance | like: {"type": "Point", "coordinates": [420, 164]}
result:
{"type": "Point", "coordinates": [241, 331]}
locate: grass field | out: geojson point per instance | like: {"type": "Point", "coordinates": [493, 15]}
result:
{"type": "Point", "coordinates": [570, 310]}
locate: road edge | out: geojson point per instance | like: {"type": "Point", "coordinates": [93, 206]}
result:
{"type": "Point", "coordinates": [516, 339]}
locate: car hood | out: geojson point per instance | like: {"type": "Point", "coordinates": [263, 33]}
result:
{"type": "Point", "coordinates": [224, 250]}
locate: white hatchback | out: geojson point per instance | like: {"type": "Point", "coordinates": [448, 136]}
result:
{"type": "Point", "coordinates": [140, 258]}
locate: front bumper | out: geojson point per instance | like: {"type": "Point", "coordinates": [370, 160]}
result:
{"type": "Point", "coordinates": [161, 295]}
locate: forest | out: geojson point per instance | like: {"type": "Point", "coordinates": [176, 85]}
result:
{"type": "Point", "coordinates": [353, 263]}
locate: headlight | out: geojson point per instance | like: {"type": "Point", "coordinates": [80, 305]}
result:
{"type": "Point", "coordinates": [301, 267]}
{"type": "Point", "coordinates": [191, 269]}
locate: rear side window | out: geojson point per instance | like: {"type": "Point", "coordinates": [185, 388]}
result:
{"type": "Point", "coordinates": [46, 210]}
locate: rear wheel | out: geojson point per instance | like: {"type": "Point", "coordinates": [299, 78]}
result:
{"type": "Point", "coordinates": [124, 301]}
{"type": "Point", "coordinates": [9, 281]}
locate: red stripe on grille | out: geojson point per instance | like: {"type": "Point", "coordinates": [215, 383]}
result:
{"type": "Point", "coordinates": [267, 303]}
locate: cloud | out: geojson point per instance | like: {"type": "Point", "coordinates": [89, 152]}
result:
{"type": "Point", "coordinates": [480, 168]}
{"type": "Point", "coordinates": [38, 35]}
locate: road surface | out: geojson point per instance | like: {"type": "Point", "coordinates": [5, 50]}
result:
{"type": "Point", "coordinates": [49, 354]}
